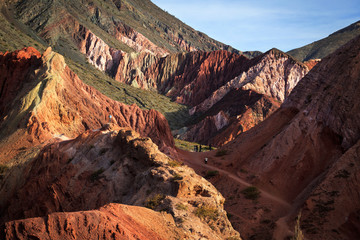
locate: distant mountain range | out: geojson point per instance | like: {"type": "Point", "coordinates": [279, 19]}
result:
{"type": "Point", "coordinates": [325, 46]}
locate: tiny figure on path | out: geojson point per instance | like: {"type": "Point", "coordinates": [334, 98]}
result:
{"type": "Point", "coordinates": [206, 160]}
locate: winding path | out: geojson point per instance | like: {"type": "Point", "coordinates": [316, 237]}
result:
{"type": "Point", "coordinates": [195, 159]}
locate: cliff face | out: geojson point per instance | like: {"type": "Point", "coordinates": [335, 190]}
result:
{"type": "Point", "coordinates": [247, 99]}
{"type": "Point", "coordinates": [15, 68]}
{"type": "Point", "coordinates": [273, 74]}
{"type": "Point", "coordinates": [54, 102]}
{"type": "Point", "coordinates": [191, 78]}
{"type": "Point", "coordinates": [309, 143]}
{"type": "Point", "coordinates": [237, 112]}
{"type": "Point", "coordinates": [113, 165]}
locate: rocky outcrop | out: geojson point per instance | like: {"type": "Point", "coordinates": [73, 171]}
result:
{"type": "Point", "coordinates": [113, 221]}
{"type": "Point", "coordinates": [237, 112]}
{"type": "Point", "coordinates": [97, 51]}
{"type": "Point", "coordinates": [273, 74]}
{"type": "Point", "coordinates": [114, 165]}
{"type": "Point", "coordinates": [312, 139]}
{"type": "Point", "coordinates": [16, 68]}
{"type": "Point", "coordinates": [247, 99]}
{"type": "Point", "coordinates": [57, 103]}
{"type": "Point", "coordinates": [312, 63]}
{"type": "Point", "coordinates": [332, 208]}
{"type": "Point", "coordinates": [190, 78]}
{"type": "Point", "coordinates": [139, 42]}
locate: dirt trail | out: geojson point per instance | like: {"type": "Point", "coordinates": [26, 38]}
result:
{"type": "Point", "coordinates": [195, 160]}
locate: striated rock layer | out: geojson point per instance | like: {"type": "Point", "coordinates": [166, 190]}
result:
{"type": "Point", "coordinates": [247, 99]}
{"type": "Point", "coordinates": [51, 101]}
{"type": "Point", "coordinates": [237, 112]}
{"type": "Point", "coordinates": [305, 151]}
{"type": "Point", "coordinates": [112, 165]}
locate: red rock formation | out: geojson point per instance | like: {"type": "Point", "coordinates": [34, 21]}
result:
{"type": "Point", "coordinates": [191, 78]}
{"type": "Point", "coordinates": [312, 63]}
{"type": "Point", "coordinates": [15, 68]}
{"type": "Point", "coordinates": [188, 78]}
{"type": "Point", "coordinates": [59, 103]}
{"type": "Point", "coordinates": [100, 167]}
{"type": "Point", "coordinates": [114, 221]}
{"type": "Point", "coordinates": [312, 139]}
{"type": "Point", "coordinates": [268, 79]}
{"type": "Point", "coordinates": [235, 113]}
{"type": "Point", "coordinates": [273, 74]}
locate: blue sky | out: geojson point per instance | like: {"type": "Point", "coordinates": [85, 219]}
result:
{"type": "Point", "coordinates": [264, 24]}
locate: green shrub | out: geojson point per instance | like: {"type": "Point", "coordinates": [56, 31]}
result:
{"type": "Point", "coordinates": [3, 168]}
{"type": "Point", "coordinates": [96, 175]}
{"type": "Point", "coordinates": [154, 201]}
{"type": "Point", "coordinates": [103, 151]}
{"type": "Point", "coordinates": [251, 193]}
{"type": "Point", "coordinates": [177, 177]}
{"type": "Point", "coordinates": [211, 174]}
{"type": "Point", "coordinates": [181, 206]}
{"type": "Point", "coordinates": [220, 153]}
{"type": "Point", "coordinates": [207, 212]}
{"type": "Point", "coordinates": [174, 163]}
{"type": "Point", "coordinates": [342, 174]}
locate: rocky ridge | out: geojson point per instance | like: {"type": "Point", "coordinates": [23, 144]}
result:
{"type": "Point", "coordinates": [113, 165]}
{"type": "Point", "coordinates": [137, 25]}
{"type": "Point", "coordinates": [55, 102]}
{"type": "Point", "coordinates": [323, 47]}
{"type": "Point", "coordinates": [247, 99]}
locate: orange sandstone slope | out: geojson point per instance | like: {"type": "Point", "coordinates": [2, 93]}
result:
{"type": "Point", "coordinates": [113, 221]}
{"type": "Point", "coordinates": [307, 151]}
{"type": "Point", "coordinates": [42, 97]}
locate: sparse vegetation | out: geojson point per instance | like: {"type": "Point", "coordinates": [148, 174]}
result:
{"type": "Point", "coordinates": [96, 175]}
{"type": "Point", "coordinates": [174, 163]}
{"type": "Point", "coordinates": [251, 193]}
{"type": "Point", "coordinates": [207, 213]}
{"type": "Point", "coordinates": [298, 235]}
{"type": "Point", "coordinates": [189, 146]}
{"type": "Point", "coordinates": [103, 151]}
{"type": "Point", "coordinates": [154, 201]}
{"type": "Point", "coordinates": [181, 206]}
{"type": "Point", "coordinates": [3, 168]}
{"type": "Point", "coordinates": [211, 174]}
{"type": "Point", "coordinates": [325, 46]}
{"type": "Point", "coordinates": [342, 174]}
{"type": "Point", "coordinates": [221, 152]}
{"type": "Point", "coordinates": [177, 177]}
